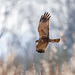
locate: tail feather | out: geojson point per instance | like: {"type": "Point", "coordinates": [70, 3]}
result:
{"type": "Point", "coordinates": [54, 40]}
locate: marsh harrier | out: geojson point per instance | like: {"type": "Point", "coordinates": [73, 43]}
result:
{"type": "Point", "coordinates": [43, 30]}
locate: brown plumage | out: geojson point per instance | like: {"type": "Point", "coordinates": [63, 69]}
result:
{"type": "Point", "coordinates": [43, 30]}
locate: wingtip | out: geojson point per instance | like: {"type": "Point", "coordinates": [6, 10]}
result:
{"type": "Point", "coordinates": [59, 40]}
{"type": "Point", "coordinates": [45, 17]}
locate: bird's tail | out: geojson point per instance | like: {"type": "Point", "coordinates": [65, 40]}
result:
{"type": "Point", "coordinates": [54, 40]}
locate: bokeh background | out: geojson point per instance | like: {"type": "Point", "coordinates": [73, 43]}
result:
{"type": "Point", "coordinates": [19, 20]}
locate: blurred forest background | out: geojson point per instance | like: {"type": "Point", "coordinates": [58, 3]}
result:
{"type": "Point", "coordinates": [19, 20]}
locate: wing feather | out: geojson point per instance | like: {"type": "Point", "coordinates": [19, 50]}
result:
{"type": "Point", "coordinates": [43, 28]}
{"type": "Point", "coordinates": [41, 47]}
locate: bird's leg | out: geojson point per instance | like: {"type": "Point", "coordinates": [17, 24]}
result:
{"type": "Point", "coordinates": [39, 40]}
{"type": "Point", "coordinates": [54, 40]}
{"type": "Point", "coordinates": [43, 39]}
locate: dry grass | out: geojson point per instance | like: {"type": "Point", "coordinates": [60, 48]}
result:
{"type": "Point", "coordinates": [46, 69]}
{"type": "Point", "coordinates": [7, 66]}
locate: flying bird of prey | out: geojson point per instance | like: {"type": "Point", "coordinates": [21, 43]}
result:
{"type": "Point", "coordinates": [43, 30]}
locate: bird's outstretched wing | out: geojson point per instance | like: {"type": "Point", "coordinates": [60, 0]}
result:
{"type": "Point", "coordinates": [43, 30]}
{"type": "Point", "coordinates": [41, 47]}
